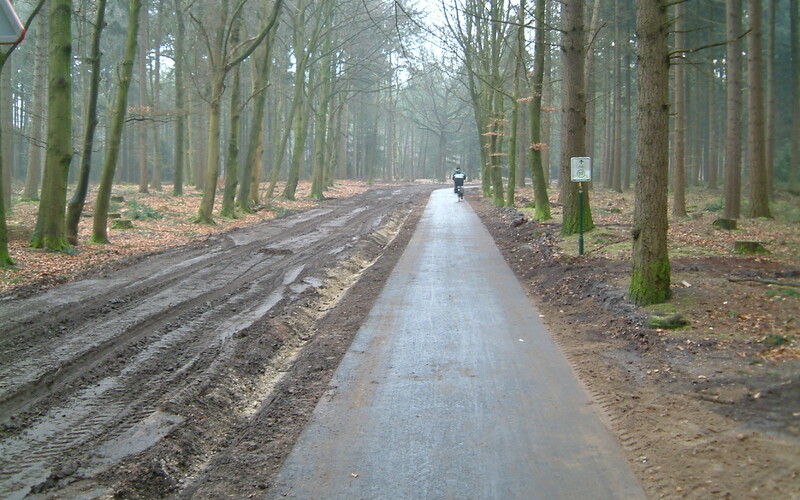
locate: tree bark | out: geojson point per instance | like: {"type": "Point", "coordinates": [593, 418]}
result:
{"type": "Point", "coordinates": [318, 184]}
{"type": "Point", "coordinates": [573, 133]}
{"type": "Point", "coordinates": [144, 103]}
{"type": "Point", "coordinates": [713, 146]}
{"type": "Point", "coordinates": [616, 179]}
{"type": "Point", "coordinates": [679, 112]}
{"type": "Point", "coordinates": [519, 71]}
{"type": "Point", "coordinates": [255, 150]}
{"type": "Point", "coordinates": [75, 206]}
{"type": "Point", "coordinates": [770, 103]}
{"type": "Point", "coordinates": [759, 195]}
{"type": "Point", "coordinates": [537, 147]}
{"type": "Point", "coordinates": [794, 167]}
{"type": "Point", "coordinates": [34, 171]}
{"type": "Point", "coordinates": [220, 62]}
{"type": "Point", "coordinates": [180, 101]}
{"type": "Point", "coordinates": [100, 221]}
{"type": "Point", "coordinates": [204, 213]}
{"type": "Point", "coordinates": [235, 117]}
{"type": "Point", "coordinates": [498, 118]}
{"type": "Point", "coordinates": [650, 274]}
{"type": "Point", "coordinates": [49, 231]}
{"type": "Point", "coordinates": [590, 77]}
{"type": "Point", "coordinates": [733, 134]}
{"type": "Point", "coordinates": [155, 98]}
{"type": "Point", "coordinates": [303, 48]}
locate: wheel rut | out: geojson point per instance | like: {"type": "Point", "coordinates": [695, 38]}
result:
{"type": "Point", "coordinates": [95, 372]}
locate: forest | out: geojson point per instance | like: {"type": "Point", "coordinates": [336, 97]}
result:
{"type": "Point", "coordinates": [248, 97]}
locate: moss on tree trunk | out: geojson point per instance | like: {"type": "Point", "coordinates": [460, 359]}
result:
{"type": "Point", "coordinates": [650, 285]}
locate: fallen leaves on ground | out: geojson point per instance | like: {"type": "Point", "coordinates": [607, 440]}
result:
{"type": "Point", "coordinates": [160, 221]}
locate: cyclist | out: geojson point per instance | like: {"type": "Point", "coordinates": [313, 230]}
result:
{"type": "Point", "coordinates": [459, 177]}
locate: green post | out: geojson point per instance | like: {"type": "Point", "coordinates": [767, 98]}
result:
{"type": "Point", "coordinates": [580, 216]}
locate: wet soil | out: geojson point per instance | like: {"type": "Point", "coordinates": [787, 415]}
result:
{"type": "Point", "coordinates": [190, 373]}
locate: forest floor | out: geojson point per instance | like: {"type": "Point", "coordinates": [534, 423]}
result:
{"type": "Point", "coordinates": [710, 410]}
{"type": "Point", "coordinates": [160, 221]}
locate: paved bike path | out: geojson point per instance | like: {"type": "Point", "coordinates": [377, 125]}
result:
{"type": "Point", "coordinates": [453, 388]}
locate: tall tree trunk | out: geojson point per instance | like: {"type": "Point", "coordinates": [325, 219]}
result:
{"type": "Point", "coordinates": [155, 85]}
{"type": "Point", "coordinates": [49, 231]}
{"type": "Point", "coordinates": [713, 146]}
{"type": "Point", "coordinates": [519, 71]}
{"type": "Point", "coordinates": [523, 143]}
{"type": "Point", "coordinates": [320, 121]}
{"type": "Point", "coordinates": [794, 167]}
{"type": "Point", "coordinates": [629, 150]}
{"type": "Point", "coordinates": [204, 213]}
{"type": "Point", "coordinates": [218, 71]}
{"type": "Point", "coordinates": [232, 163]}
{"type": "Point", "coordinates": [537, 145]}
{"type": "Point", "coordinates": [733, 134]}
{"type": "Point", "coordinates": [100, 221]}
{"type": "Point", "coordinates": [759, 195]}
{"type": "Point", "coordinates": [498, 119]}
{"type": "Point", "coordinates": [371, 156]}
{"type": "Point", "coordinates": [7, 135]}
{"type": "Point", "coordinates": [770, 109]}
{"type": "Point", "coordinates": [180, 101]}
{"type": "Point", "coordinates": [616, 180]}
{"type": "Point", "coordinates": [255, 145]}
{"type": "Point", "coordinates": [650, 274]}
{"type": "Point", "coordinates": [303, 47]}
{"type": "Point", "coordinates": [573, 135]}
{"type": "Point", "coordinates": [34, 171]}
{"type": "Point", "coordinates": [280, 150]}
{"type": "Point", "coordinates": [5, 257]}
{"type": "Point", "coordinates": [342, 121]}
{"type": "Point", "coordinates": [679, 111]}
{"type": "Point", "coordinates": [75, 206]}
{"type": "Point", "coordinates": [589, 75]}
{"type": "Point", "coordinates": [300, 133]}
{"type": "Point", "coordinates": [144, 104]}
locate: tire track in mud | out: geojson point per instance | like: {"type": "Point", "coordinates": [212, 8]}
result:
{"type": "Point", "coordinates": [102, 376]}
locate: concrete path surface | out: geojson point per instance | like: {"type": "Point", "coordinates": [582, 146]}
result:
{"type": "Point", "coordinates": [453, 389]}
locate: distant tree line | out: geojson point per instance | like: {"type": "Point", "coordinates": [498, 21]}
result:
{"type": "Point", "coordinates": [230, 96]}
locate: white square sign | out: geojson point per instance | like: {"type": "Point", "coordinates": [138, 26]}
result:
{"type": "Point", "coordinates": [11, 29]}
{"type": "Point", "coordinates": [581, 167]}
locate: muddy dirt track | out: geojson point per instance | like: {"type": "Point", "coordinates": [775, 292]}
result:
{"type": "Point", "coordinates": [164, 377]}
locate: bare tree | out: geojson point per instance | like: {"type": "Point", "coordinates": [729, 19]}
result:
{"type": "Point", "coordinates": [100, 220]}
{"type": "Point", "coordinates": [222, 58]}
{"type": "Point", "coordinates": [75, 206]}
